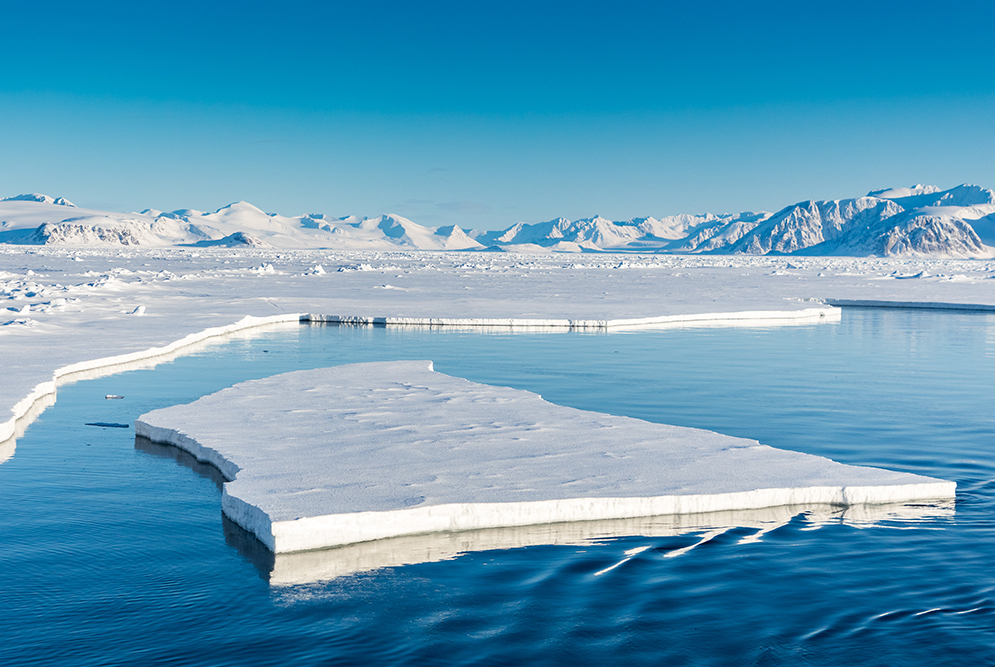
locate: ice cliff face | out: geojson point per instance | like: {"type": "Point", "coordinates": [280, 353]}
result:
{"type": "Point", "coordinates": [918, 221]}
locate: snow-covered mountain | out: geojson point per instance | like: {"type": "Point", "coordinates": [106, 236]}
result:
{"type": "Point", "coordinates": [918, 221]}
{"type": "Point", "coordinates": [40, 220]}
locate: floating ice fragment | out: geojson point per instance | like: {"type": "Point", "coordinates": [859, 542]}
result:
{"type": "Point", "coordinates": [367, 438]}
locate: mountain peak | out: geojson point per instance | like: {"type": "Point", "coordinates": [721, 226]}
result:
{"type": "Point", "coordinates": [901, 193]}
{"type": "Point", "coordinates": [240, 206]}
{"type": "Point", "coordinates": [42, 199]}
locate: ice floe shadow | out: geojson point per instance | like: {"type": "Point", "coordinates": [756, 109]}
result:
{"type": "Point", "coordinates": [183, 458]}
{"type": "Point", "coordinates": [305, 567]}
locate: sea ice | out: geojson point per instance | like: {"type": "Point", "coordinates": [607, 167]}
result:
{"type": "Point", "coordinates": [363, 452]}
{"type": "Point", "coordinates": [81, 318]}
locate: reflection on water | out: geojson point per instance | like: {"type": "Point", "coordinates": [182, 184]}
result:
{"type": "Point", "coordinates": [327, 564]}
{"type": "Point", "coordinates": [182, 457]}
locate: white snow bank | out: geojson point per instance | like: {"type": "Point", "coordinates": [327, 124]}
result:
{"type": "Point", "coordinates": [370, 451]}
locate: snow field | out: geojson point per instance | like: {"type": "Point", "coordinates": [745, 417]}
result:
{"type": "Point", "coordinates": [67, 308]}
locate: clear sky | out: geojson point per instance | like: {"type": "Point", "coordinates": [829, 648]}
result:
{"type": "Point", "coordinates": [484, 114]}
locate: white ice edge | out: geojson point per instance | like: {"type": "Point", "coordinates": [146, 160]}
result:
{"type": "Point", "coordinates": [27, 407]}
{"type": "Point", "coordinates": [922, 305]}
{"type": "Point", "coordinates": [349, 528]}
{"type": "Point", "coordinates": [763, 316]}
{"type": "Point", "coordinates": [341, 529]}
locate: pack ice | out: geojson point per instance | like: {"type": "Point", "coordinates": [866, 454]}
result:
{"type": "Point", "coordinates": [362, 452]}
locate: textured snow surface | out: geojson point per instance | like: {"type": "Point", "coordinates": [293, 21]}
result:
{"type": "Point", "coordinates": [919, 221]}
{"type": "Point", "coordinates": [368, 451]}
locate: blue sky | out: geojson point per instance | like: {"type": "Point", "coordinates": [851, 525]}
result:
{"type": "Point", "coordinates": [486, 114]}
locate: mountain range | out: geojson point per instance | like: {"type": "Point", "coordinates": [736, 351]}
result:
{"type": "Point", "coordinates": [919, 221]}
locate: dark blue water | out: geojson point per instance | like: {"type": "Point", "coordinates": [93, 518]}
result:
{"type": "Point", "coordinates": [111, 554]}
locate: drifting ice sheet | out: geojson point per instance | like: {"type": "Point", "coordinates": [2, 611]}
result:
{"type": "Point", "coordinates": [368, 451]}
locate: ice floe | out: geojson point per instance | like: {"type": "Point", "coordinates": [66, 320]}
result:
{"type": "Point", "coordinates": [380, 450]}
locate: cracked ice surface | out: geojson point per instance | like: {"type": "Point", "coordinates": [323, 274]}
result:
{"type": "Point", "coordinates": [368, 451]}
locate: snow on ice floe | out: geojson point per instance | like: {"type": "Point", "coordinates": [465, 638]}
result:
{"type": "Point", "coordinates": [381, 450]}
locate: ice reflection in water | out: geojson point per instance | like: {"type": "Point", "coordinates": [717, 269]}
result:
{"type": "Point", "coordinates": [327, 564]}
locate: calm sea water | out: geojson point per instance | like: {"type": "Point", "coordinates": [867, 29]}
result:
{"type": "Point", "coordinates": [113, 554]}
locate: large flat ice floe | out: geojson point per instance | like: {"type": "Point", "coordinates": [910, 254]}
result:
{"type": "Point", "coordinates": [363, 452]}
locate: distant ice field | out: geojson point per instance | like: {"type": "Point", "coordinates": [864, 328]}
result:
{"type": "Point", "coordinates": [114, 554]}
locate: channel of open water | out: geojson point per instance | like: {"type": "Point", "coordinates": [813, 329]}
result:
{"type": "Point", "coordinates": [113, 552]}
